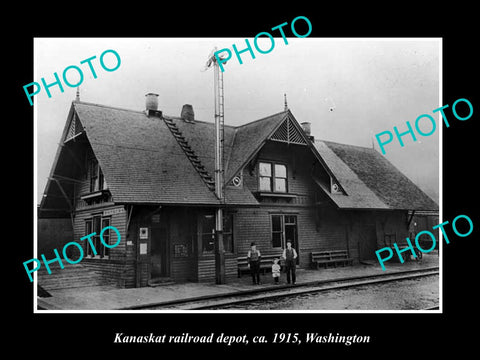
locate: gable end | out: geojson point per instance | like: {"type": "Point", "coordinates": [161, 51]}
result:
{"type": "Point", "coordinates": [288, 133]}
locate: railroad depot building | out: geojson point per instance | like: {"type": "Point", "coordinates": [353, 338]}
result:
{"type": "Point", "coordinates": [151, 176]}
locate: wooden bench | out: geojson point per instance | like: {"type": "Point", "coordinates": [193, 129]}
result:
{"type": "Point", "coordinates": [266, 262]}
{"type": "Point", "coordinates": [330, 257]}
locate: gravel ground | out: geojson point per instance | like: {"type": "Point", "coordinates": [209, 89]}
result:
{"type": "Point", "coordinates": [412, 294]}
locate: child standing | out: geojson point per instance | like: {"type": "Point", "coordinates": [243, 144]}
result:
{"type": "Point", "coordinates": [276, 271]}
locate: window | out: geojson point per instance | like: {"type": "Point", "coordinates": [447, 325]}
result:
{"type": "Point", "coordinates": [280, 178]}
{"type": "Point", "coordinates": [97, 180]}
{"type": "Point", "coordinates": [277, 230]}
{"type": "Point", "coordinates": [228, 233]}
{"type": "Point", "coordinates": [96, 224]}
{"type": "Point", "coordinates": [272, 177]}
{"type": "Point", "coordinates": [106, 237]}
{"type": "Point", "coordinates": [208, 233]}
{"type": "Point", "coordinates": [265, 173]}
{"type": "Point", "coordinates": [284, 227]}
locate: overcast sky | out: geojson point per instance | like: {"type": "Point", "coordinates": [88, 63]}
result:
{"type": "Point", "coordinates": [370, 84]}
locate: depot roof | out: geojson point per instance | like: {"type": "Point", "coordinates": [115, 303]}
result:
{"type": "Point", "coordinates": [370, 180]}
{"type": "Point", "coordinates": [143, 162]}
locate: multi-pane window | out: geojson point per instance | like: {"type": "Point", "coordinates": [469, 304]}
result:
{"type": "Point", "coordinates": [265, 176]}
{"type": "Point", "coordinates": [280, 178]}
{"type": "Point", "coordinates": [272, 177]}
{"type": "Point", "coordinates": [228, 233]}
{"type": "Point", "coordinates": [284, 228]}
{"type": "Point", "coordinates": [208, 233]}
{"type": "Point", "coordinates": [277, 231]}
{"type": "Point", "coordinates": [97, 180]}
{"type": "Point", "coordinates": [96, 224]}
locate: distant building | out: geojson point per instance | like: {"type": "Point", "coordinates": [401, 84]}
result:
{"type": "Point", "coordinates": [151, 176]}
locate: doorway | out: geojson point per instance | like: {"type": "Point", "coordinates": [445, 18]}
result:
{"type": "Point", "coordinates": [160, 266]}
{"type": "Point", "coordinates": [367, 242]}
{"type": "Point", "coordinates": [290, 223]}
{"type": "Point", "coordinates": [284, 227]}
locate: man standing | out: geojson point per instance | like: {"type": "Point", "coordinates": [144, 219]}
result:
{"type": "Point", "coordinates": [290, 256]}
{"type": "Point", "coordinates": [253, 258]}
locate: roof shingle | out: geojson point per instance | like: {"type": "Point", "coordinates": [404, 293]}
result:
{"type": "Point", "coordinates": [143, 163]}
{"type": "Point", "coordinates": [371, 179]}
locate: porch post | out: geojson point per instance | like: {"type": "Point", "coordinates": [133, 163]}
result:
{"type": "Point", "coordinates": [219, 249]}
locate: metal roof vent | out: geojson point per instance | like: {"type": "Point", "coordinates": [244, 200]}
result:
{"type": "Point", "coordinates": [151, 105]}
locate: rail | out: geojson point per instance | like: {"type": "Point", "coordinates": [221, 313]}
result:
{"type": "Point", "coordinates": [215, 301]}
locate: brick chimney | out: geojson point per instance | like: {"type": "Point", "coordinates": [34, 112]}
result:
{"type": "Point", "coordinates": [187, 113]}
{"type": "Point", "coordinates": [307, 129]}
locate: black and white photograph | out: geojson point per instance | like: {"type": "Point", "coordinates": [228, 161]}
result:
{"type": "Point", "coordinates": [257, 186]}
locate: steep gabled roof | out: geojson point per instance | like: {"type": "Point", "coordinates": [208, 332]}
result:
{"type": "Point", "coordinates": [248, 140]}
{"type": "Point", "coordinates": [370, 180]}
{"type": "Point", "coordinates": [141, 161]}
{"type": "Point", "coordinates": [358, 194]}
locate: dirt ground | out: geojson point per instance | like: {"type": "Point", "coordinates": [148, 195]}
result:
{"type": "Point", "coordinates": [412, 294]}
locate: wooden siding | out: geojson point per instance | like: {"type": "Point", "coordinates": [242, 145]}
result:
{"type": "Point", "coordinates": [206, 267]}
{"type": "Point", "coordinates": [299, 161]}
{"type": "Point", "coordinates": [254, 224]}
{"type": "Point", "coordinates": [318, 227]}
{"type": "Point", "coordinates": [53, 234]}
{"type": "Point", "coordinates": [182, 232]}
{"type": "Point", "coordinates": [113, 268]}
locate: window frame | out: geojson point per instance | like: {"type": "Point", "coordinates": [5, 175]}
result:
{"type": "Point", "coordinates": [281, 231]}
{"type": "Point", "coordinates": [269, 177]}
{"type": "Point", "coordinates": [283, 224]}
{"type": "Point", "coordinates": [103, 252]}
{"type": "Point", "coordinates": [202, 233]}
{"type": "Point", "coordinates": [95, 175]}
{"type": "Point", "coordinates": [273, 177]}
{"type": "Point", "coordinates": [230, 233]}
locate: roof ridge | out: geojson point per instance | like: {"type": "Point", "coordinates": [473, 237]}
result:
{"type": "Point", "coordinates": [106, 106]}
{"type": "Point", "coordinates": [264, 118]}
{"type": "Point", "coordinates": [196, 120]}
{"type": "Point", "coordinates": [75, 102]}
{"type": "Point", "coordinates": [349, 145]}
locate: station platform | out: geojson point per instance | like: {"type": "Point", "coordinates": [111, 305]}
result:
{"type": "Point", "coordinates": [106, 299]}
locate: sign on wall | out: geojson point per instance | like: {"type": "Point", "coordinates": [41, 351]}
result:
{"type": "Point", "coordinates": [143, 233]}
{"type": "Point", "coordinates": [180, 250]}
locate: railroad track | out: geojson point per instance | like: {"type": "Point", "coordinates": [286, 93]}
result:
{"type": "Point", "coordinates": [270, 293]}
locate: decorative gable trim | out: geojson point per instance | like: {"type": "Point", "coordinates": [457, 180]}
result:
{"type": "Point", "coordinates": [288, 132]}
{"type": "Point", "coordinates": [75, 128]}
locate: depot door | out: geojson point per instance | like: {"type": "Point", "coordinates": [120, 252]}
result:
{"type": "Point", "coordinates": [290, 225]}
{"type": "Point", "coordinates": [159, 253]}
{"type": "Point", "coordinates": [367, 242]}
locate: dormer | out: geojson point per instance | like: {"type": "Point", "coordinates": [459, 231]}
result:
{"type": "Point", "coordinates": [97, 185]}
